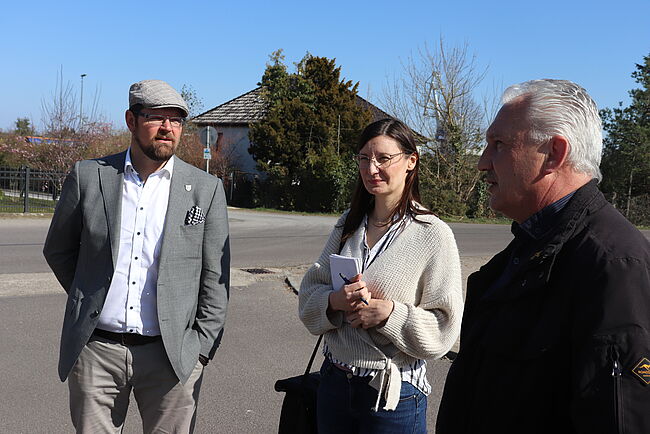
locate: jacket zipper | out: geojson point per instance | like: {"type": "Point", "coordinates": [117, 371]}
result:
{"type": "Point", "coordinates": [618, 398]}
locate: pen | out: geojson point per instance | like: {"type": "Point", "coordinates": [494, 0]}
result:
{"type": "Point", "coordinates": [347, 282]}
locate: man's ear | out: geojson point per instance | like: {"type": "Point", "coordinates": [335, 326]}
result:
{"type": "Point", "coordinates": [557, 153]}
{"type": "Point", "coordinates": [130, 120]}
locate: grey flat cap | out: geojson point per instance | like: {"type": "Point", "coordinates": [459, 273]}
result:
{"type": "Point", "coordinates": [156, 94]}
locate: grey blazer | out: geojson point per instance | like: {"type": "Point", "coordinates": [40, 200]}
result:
{"type": "Point", "coordinates": [194, 267]}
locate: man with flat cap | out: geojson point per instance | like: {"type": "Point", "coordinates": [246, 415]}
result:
{"type": "Point", "coordinates": [139, 241]}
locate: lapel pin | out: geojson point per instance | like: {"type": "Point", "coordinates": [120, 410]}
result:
{"type": "Point", "coordinates": [188, 187]}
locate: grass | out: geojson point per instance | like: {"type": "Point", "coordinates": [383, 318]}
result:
{"type": "Point", "coordinates": [280, 211]}
{"type": "Point", "coordinates": [479, 220]}
{"type": "Point", "coordinates": [11, 204]}
{"type": "Point", "coordinates": [40, 206]}
{"type": "Point", "coordinates": [448, 219]}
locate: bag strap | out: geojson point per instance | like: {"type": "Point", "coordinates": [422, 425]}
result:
{"type": "Point", "coordinates": [313, 354]}
{"type": "Point", "coordinates": [320, 338]}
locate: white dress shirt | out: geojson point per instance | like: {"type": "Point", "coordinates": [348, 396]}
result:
{"type": "Point", "coordinates": [130, 305]}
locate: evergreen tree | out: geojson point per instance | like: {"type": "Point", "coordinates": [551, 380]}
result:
{"type": "Point", "coordinates": [626, 156]}
{"type": "Point", "coordinates": [24, 127]}
{"type": "Point", "coordinates": [306, 141]}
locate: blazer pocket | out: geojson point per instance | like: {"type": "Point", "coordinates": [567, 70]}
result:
{"type": "Point", "coordinates": [74, 305]}
{"type": "Point", "coordinates": [190, 242]}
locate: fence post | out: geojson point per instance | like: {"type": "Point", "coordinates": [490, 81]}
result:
{"type": "Point", "coordinates": [26, 196]}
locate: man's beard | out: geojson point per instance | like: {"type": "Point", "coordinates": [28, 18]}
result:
{"type": "Point", "coordinates": [155, 151]}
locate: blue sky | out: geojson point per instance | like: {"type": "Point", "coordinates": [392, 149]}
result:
{"type": "Point", "coordinates": [220, 48]}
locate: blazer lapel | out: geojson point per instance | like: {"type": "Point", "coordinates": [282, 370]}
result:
{"type": "Point", "coordinates": [111, 177]}
{"type": "Point", "coordinates": [180, 200]}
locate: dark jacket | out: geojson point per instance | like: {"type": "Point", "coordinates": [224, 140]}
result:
{"type": "Point", "coordinates": [563, 346]}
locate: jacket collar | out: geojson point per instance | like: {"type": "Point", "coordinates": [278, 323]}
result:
{"type": "Point", "coordinates": [586, 200]}
{"type": "Point", "coordinates": [570, 220]}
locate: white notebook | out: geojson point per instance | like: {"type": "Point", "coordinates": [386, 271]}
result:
{"type": "Point", "coordinates": [345, 265]}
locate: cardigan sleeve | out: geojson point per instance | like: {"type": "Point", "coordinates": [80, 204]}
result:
{"type": "Point", "coordinates": [430, 328]}
{"type": "Point", "coordinates": [316, 286]}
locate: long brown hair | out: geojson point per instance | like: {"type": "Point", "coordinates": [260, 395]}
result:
{"type": "Point", "coordinates": [362, 201]}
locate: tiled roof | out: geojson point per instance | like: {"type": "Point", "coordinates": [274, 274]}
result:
{"type": "Point", "coordinates": [250, 107]}
{"type": "Point", "coordinates": [244, 109]}
{"type": "Point", "coordinates": [377, 113]}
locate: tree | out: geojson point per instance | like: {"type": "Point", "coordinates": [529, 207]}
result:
{"type": "Point", "coordinates": [57, 156]}
{"type": "Point", "coordinates": [305, 143]}
{"type": "Point", "coordinates": [437, 97]}
{"type": "Point", "coordinates": [194, 102]}
{"type": "Point", "coordinates": [191, 148]}
{"type": "Point", "coordinates": [24, 127]}
{"type": "Point", "coordinates": [60, 112]}
{"type": "Point", "coordinates": [626, 155]}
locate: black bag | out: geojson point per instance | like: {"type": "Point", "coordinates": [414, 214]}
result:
{"type": "Point", "coordinates": [298, 415]}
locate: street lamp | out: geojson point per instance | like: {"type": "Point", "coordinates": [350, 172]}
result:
{"type": "Point", "coordinates": [81, 103]}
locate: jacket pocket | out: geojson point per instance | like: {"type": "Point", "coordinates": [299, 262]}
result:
{"type": "Point", "coordinates": [74, 305]}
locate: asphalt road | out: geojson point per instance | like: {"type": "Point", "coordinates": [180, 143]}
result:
{"type": "Point", "coordinates": [257, 240]}
{"type": "Point", "coordinates": [264, 340]}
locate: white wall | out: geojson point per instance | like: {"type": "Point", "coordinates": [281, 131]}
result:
{"type": "Point", "coordinates": [236, 144]}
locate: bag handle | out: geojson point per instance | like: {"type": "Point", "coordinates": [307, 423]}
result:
{"type": "Point", "coordinates": [313, 354]}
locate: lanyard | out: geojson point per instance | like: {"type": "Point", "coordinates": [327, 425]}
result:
{"type": "Point", "coordinates": [388, 238]}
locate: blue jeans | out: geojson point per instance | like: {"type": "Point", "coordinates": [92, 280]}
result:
{"type": "Point", "coordinates": [345, 405]}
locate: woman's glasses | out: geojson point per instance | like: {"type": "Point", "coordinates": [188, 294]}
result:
{"type": "Point", "coordinates": [383, 160]}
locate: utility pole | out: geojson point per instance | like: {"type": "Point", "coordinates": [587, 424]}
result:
{"type": "Point", "coordinates": [338, 137]}
{"type": "Point", "coordinates": [81, 104]}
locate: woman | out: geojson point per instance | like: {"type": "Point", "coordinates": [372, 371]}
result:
{"type": "Point", "coordinates": [404, 307]}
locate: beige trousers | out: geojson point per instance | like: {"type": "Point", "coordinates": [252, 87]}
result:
{"type": "Point", "coordinates": [101, 382]}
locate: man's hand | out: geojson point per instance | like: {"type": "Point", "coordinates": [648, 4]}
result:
{"type": "Point", "coordinates": [348, 298]}
{"type": "Point", "coordinates": [376, 313]}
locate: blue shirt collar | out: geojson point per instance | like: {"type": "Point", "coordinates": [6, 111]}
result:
{"type": "Point", "coordinates": [540, 223]}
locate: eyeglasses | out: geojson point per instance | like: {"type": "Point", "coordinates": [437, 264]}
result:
{"type": "Point", "coordinates": [384, 161]}
{"type": "Point", "coordinates": [158, 120]}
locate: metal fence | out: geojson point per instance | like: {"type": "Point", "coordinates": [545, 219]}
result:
{"type": "Point", "coordinates": [25, 190]}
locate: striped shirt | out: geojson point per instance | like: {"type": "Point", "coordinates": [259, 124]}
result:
{"type": "Point", "coordinates": [413, 373]}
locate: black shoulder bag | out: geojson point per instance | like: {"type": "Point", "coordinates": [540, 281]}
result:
{"type": "Point", "coordinates": [298, 415]}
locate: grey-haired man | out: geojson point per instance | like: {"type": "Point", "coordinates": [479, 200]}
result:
{"type": "Point", "coordinates": [556, 328]}
{"type": "Point", "coordinates": [139, 241]}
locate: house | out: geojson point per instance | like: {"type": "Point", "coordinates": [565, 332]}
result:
{"type": "Point", "coordinates": [232, 119]}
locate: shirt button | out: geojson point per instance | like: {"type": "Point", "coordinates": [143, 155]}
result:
{"type": "Point", "coordinates": [138, 233]}
{"type": "Point", "coordinates": [131, 331]}
{"type": "Point", "coordinates": [133, 283]}
{"type": "Point", "coordinates": [141, 208]}
{"type": "Point", "coordinates": [515, 261]}
{"type": "Point", "coordinates": [136, 258]}
{"type": "Point", "coordinates": [131, 307]}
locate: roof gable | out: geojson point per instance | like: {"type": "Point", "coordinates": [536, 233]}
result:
{"type": "Point", "coordinates": [251, 107]}
{"type": "Point", "coordinates": [244, 109]}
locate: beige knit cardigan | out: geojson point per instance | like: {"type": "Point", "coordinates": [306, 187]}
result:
{"type": "Point", "coordinates": [420, 272]}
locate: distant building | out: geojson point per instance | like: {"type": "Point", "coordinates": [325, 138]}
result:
{"type": "Point", "coordinates": [233, 118]}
